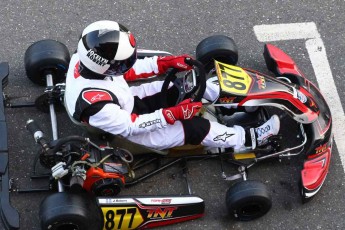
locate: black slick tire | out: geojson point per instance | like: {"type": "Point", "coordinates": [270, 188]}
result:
{"type": "Point", "coordinates": [46, 57]}
{"type": "Point", "coordinates": [66, 211]}
{"type": "Point", "coordinates": [217, 47]}
{"type": "Point", "coordinates": [248, 200]}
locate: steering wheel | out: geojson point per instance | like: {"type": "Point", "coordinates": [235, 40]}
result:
{"type": "Point", "coordinates": [179, 83]}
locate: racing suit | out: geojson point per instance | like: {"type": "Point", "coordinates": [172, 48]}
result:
{"type": "Point", "coordinates": [135, 112]}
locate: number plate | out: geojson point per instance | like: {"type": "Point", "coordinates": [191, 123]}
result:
{"type": "Point", "coordinates": [233, 79]}
{"type": "Point", "coordinates": [121, 218]}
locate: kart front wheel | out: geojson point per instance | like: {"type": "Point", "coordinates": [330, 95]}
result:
{"type": "Point", "coordinates": [217, 47]}
{"type": "Point", "coordinates": [65, 211]}
{"type": "Point", "coordinates": [46, 57]}
{"type": "Point", "coordinates": [248, 200]}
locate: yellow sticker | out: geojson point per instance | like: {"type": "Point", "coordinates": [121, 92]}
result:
{"type": "Point", "coordinates": [242, 156]}
{"type": "Point", "coordinates": [121, 218]}
{"type": "Point", "coordinates": [233, 79]}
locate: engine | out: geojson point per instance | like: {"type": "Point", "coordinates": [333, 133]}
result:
{"type": "Point", "coordinates": [83, 165]}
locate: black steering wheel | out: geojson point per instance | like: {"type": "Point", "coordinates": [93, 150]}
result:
{"type": "Point", "coordinates": [179, 83]}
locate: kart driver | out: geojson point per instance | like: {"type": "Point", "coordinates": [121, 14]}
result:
{"type": "Point", "coordinates": [97, 93]}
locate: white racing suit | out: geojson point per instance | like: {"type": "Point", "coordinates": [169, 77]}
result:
{"type": "Point", "coordinates": [134, 112]}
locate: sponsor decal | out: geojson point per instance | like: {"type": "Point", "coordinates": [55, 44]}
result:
{"type": "Point", "coordinates": [131, 217]}
{"type": "Point", "coordinates": [321, 148]}
{"type": "Point", "coordinates": [149, 123]}
{"type": "Point", "coordinates": [114, 201]}
{"type": "Point", "coordinates": [93, 96]}
{"type": "Point", "coordinates": [160, 213]}
{"type": "Point", "coordinates": [119, 200]}
{"type": "Point", "coordinates": [166, 201]}
{"type": "Point", "coordinates": [161, 201]}
{"type": "Point", "coordinates": [261, 81]}
{"type": "Point", "coordinates": [223, 137]}
{"type": "Point", "coordinates": [157, 211]}
{"type": "Point", "coordinates": [227, 100]}
{"type": "Point", "coordinates": [96, 58]}
{"type": "Point", "coordinates": [301, 97]}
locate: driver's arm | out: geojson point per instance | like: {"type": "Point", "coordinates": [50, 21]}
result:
{"type": "Point", "coordinates": [111, 118]}
{"type": "Point", "coordinates": [148, 67]}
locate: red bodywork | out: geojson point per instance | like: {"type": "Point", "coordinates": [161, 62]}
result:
{"type": "Point", "coordinates": [318, 158]}
{"type": "Point", "coordinates": [285, 64]}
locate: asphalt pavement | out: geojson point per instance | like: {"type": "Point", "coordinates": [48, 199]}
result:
{"type": "Point", "coordinates": [177, 27]}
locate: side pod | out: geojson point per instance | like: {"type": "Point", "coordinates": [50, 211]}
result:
{"type": "Point", "coordinates": [315, 170]}
{"type": "Point", "coordinates": [150, 211]}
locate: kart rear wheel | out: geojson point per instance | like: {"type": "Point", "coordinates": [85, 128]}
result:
{"type": "Point", "coordinates": [217, 47]}
{"type": "Point", "coordinates": [65, 211]}
{"type": "Point", "coordinates": [44, 57]}
{"type": "Point", "coordinates": [248, 200]}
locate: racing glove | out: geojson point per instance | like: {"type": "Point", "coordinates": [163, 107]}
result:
{"type": "Point", "coordinates": [185, 110]}
{"type": "Point", "coordinates": [178, 62]}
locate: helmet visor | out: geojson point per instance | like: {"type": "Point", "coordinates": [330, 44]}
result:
{"type": "Point", "coordinates": [120, 67]}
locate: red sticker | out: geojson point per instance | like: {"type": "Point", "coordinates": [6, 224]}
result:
{"type": "Point", "coordinates": [76, 70]}
{"type": "Point", "coordinates": [132, 40]}
{"type": "Point", "coordinates": [94, 96]}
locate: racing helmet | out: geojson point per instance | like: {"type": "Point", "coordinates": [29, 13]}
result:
{"type": "Point", "coordinates": [106, 48]}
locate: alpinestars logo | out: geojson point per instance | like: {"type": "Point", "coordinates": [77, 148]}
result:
{"type": "Point", "coordinates": [93, 95]}
{"type": "Point", "coordinates": [97, 97]}
{"type": "Point", "coordinates": [223, 137]}
{"type": "Point", "coordinates": [96, 58]}
{"type": "Point", "coordinates": [149, 123]}
{"type": "Point", "coordinates": [188, 113]}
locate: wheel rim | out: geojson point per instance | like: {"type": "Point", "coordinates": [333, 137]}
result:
{"type": "Point", "coordinates": [251, 210]}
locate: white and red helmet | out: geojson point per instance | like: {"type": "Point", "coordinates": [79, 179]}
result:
{"type": "Point", "coordinates": [106, 48]}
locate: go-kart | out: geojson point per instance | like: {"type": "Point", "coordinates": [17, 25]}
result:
{"type": "Point", "coordinates": [90, 171]}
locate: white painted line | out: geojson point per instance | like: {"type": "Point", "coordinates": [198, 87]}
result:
{"type": "Point", "coordinates": [291, 31]}
{"type": "Point", "coordinates": [322, 70]}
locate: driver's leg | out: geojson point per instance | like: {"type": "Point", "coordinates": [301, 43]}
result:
{"type": "Point", "coordinates": [195, 131]}
{"type": "Point", "coordinates": [211, 134]}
